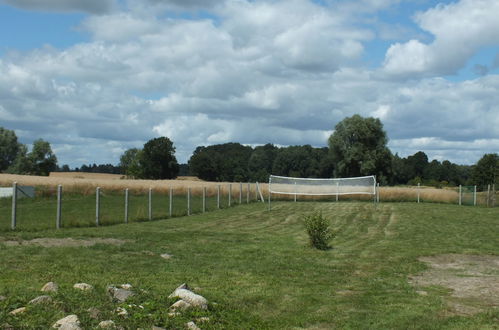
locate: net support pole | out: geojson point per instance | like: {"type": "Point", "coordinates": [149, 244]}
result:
{"type": "Point", "coordinates": [218, 196]}
{"type": "Point", "coordinates": [59, 201]}
{"type": "Point", "coordinates": [13, 222]}
{"type": "Point", "coordinates": [230, 193]}
{"type": "Point", "coordinates": [270, 207]}
{"type": "Point", "coordinates": [259, 192]}
{"type": "Point", "coordinates": [474, 196]}
{"type": "Point", "coordinates": [126, 205]}
{"type": "Point", "coordinates": [240, 192]}
{"type": "Point", "coordinates": [97, 206]}
{"type": "Point", "coordinates": [295, 191]}
{"type": "Point", "coordinates": [377, 193]}
{"type": "Point", "coordinates": [248, 193]}
{"type": "Point", "coordinates": [150, 204]}
{"type": "Point", "coordinates": [170, 207]}
{"type": "Point", "coordinates": [337, 190]}
{"type": "Point", "coordinates": [460, 195]}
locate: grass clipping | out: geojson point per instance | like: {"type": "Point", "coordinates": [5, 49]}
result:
{"type": "Point", "coordinates": [318, 230]}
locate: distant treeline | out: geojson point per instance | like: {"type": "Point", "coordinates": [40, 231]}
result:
{"type": "Point", "coordinates": [93, 168]}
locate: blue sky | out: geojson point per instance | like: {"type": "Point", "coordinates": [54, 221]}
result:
{"type": "Point", "coordinates": [97, 77]}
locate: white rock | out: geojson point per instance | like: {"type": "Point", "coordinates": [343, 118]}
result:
{"type": "Point", "coordinates": [41, 300]}
{"type": "Point", "coordinates": [126, 286]}
{"type": "Point", "coordinates": [83, 286]}
{"type": "Point", "coordinates": [166, 256]}
{"type": "Point", "coordinates": [50, 287]}
{"type": "Point", "coordinates": [203, 319]}
{"type": "Point", "coordinates": [194, 299]}
{"type": "Point", "coordinates": [108, 324]}
{"type": "Point", "coordinates": [192, 326]}
{"type": "Point", "coordinates": [180, 305]}
{"type": "Point", "coordinates": [121, 311]}
{"type": "Point", "coordinates": [119, 294]}
{"type": "Point", "coordinates": [70, 322]}
{"type": "Point", "coordinates": [19, 310]}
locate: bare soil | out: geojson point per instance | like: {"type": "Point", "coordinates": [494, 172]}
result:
{"type": "Point", "coordinates": [64, 242]}
{"type": "Point", "coordinates": [472, 279]}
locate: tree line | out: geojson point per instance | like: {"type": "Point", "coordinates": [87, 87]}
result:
{"type": "Point", "coordinates": [357, 147]}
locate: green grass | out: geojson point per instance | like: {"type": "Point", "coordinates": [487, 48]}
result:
{"type": "Point", "coordinates": [257, 269]}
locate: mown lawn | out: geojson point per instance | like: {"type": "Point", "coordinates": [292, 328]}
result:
{"type": "Point", "coordinates": [256, 269]}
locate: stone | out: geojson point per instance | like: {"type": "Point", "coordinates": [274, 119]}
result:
{"type": "Point", "coordinates": [94, 313]}
{"type": "Point", "coordinates": [119, 294]}
{"type": "Point", "coordinates": [166, 256]}
{"type": "Point", "coordinates": [50, 287]}
{"type": "Point", "coordinates": [41, 300]}
{"type": "Point", "coordinates": [422, 293]}
{"type": "Point", "coordinates": [108, 324]}
{"type": "Point", "coordinates": [180, 305]}
{"type": "Point", "coordinates": [83, 286]}
{"type": "Point", "coordinates": [192, 326]}
{"type": "Point", "coordinates": [69, 322]}
{"type": "Point", "coordinates": [203, 319]}
{"type": "Point", "coordinates": [126, 286]}
{"type": "Point", "coordinates": [17, 311]}
{"type": "Point", "coordinates": [188, 296]}
{"type": "Point", "coordinates": [121, 311]}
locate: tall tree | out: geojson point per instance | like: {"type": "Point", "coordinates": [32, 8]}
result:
{"type": "Point", "coordinates": [9, 147]}
{"type": "Point", "coordinates": [42, 159]}
{"type": "Point", "coordinates": [157, 159]}
{"type": "Point", "coordinates": [130, 163]}
{"type": "Point", "coordinates": [486, 170]}
{"type": "Point", "coordinates": [358, 147]}
{"type": "Point", "coordinates": [22, 164]}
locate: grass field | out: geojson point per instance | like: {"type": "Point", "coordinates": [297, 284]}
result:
{"type": "Point", "coordinates": [257, 271]}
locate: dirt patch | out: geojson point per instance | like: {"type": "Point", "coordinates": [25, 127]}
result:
{"type": "Point", "coordinates": [473, 279]}
{"type": "Point", "coordinates": [64, 242]}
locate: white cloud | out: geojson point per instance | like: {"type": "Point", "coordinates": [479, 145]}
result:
{"type": "Point", "coordinates": [460, 29]}
{"type": "Point", "coordinates": [90, 6]}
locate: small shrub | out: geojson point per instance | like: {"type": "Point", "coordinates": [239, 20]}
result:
{"type": "Point", "coordinates": [318, 230]}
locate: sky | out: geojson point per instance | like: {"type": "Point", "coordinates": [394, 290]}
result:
{"type": "Point", "coordinates": [97, 77]}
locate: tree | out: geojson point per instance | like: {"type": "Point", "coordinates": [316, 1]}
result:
{"type": "Point", "coordinates": [157, 159]}
{"type": "Point", "coordinates": [486, 170]}
{"type": "Point", "coordinates": [22, 164]}
{"type": "Point", "coordinates": [261, 161]}
{"type": "Point", "coordinates": [130, 163]}
{"type": "Point", "coordinates": [9, 147]}
{"type": "Point", "coordinates": [41, 158]}
{"type": "Point", "coordinates": [358, 148]}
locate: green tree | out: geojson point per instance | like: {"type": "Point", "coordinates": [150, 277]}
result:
{"type": "Point", "coordinates": [358, 148]}
{"type": "Point", "coordinates": [261, 161]}
{"type": "Point", "coordinates": [22, 164]}
{"type": "Point", "coordinates": [130, 163]}
{"type": "Point", "coordinates": [41, 158]}
{"type": "Point", "coordinates": [157, 159]}
{"type": "Point", "coordinates": [486, 170]}
{"type": "Point", "coordinates": [9, 147]}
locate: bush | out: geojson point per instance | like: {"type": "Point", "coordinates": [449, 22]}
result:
{"type": "Point", "coordinates": [318, 231]}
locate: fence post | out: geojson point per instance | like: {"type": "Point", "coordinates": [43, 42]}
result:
{"type": "Point", "coordinates": [474, 196]}
{"type": "Point", "coordinates": [150, 203]}
{"type": "Point", "coordinates": [204, 199]}
{"type": "Point", "coordinates": [493, 195]}
{"type": "Point", "coordinates": [188, 201]}
{"type": "Point", "coordinates": [59, 209]}
{"type": "Point", "coordinates": [295, 191]}
{"type": "Point", "coordinates": [97, 206]}
{"type": "Point", "coordinates": [126, 205]}
{"type": "Point", "coordinates": [460, 197]}
{"type": "Point", "coordinates": [377, 193]}
{"type": "Point", "coordinates": [218, 196]}
{"type": "Point", "coordinates": [240, 192]}
{"type": "Point", "coordinates": [230, 193]}
{"type": "Point", "coordinates": [488, 195]}
{"type": "Point", "coordinates": [248, 193]}
{"type": "Point", "coordinates": [170, 211]}
{"type": "Point", "coordinates": [337, 190]}
{"type": "Point", "coordinates": [419, 186]}
{"type": "Point", "coordinates": [14, 206]}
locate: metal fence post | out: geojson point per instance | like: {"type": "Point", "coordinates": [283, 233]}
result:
{"type": "Point", "coordinates": [150, 203]}
{"type": "Point", "coordinates": [377, 193]}
{"type": "Point", "coordinates": [13, 223]}
{"type": "Point", "coordinates": [230, 193]}
{"type": "Point", "coordinates": [248, 193]}
{"type": "Point", "coordinates": [488, 195]}
{"type": "Point", "coordinates": [474, 196]}
{"type": "Point", "coordinates": [97, 206]}
{"type": "Point", "coordinates": [295, 191]}
{"type": "Point", "coordinates": [59, 209]}
{"type": "Point", "coordinates": [460, 197]}
{"type": "Point", "coordinates": [188, 201]}
{"type": "Point", "coordinates": [126, 205]}
{"type": "Point", "coordinates": [337, 190]}
{"type": "Point", "coordinates": [218, 196]}
{"type": "Point", "coordinates": [171, 202]}
{"type": "Point", "coordinates": [204, 199]}
{"type": "Point", "coordinates": [419, 185]}
{"type": "Point", "coordinates": [240, 192]}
